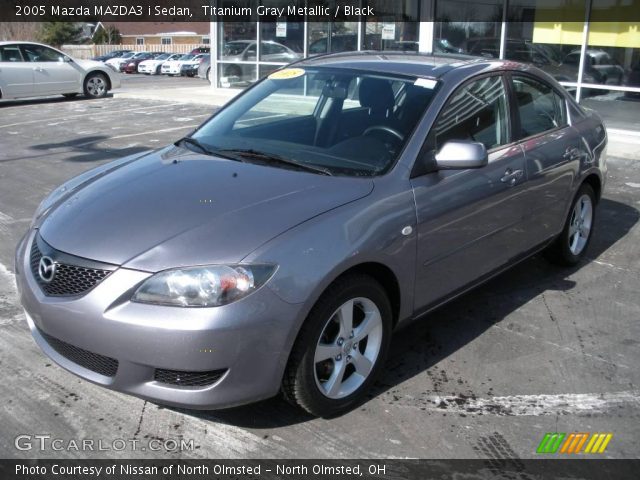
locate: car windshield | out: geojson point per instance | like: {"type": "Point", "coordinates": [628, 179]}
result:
{"type": "Point", "coordinates": [337, 121]}
{"type": "Point", "coordinates": [188, 56]}
{"type": "Point", "coordinates": [164, 56]}
{"type": "Point", "coordinates": [234, 48]}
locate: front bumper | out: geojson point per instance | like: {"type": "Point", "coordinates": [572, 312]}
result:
{"type": "Point", "coordinates": [248, 341]}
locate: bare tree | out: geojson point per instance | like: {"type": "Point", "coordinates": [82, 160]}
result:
{"type": "Point", "coordinates": [24, 31]}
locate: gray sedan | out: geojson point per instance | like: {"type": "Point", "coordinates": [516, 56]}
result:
{"type": "Point", "coordinates": [278, 247]}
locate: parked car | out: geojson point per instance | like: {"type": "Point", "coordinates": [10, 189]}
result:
{"type": "Point", "coordinates": [172, 67]}
{"type": "Point", "coordinates": [153, 66]}
{"type": "Point", "coordinates": [115, 62]}
{"type": "Point", "coordinates": [325, 229]}
{"type": "Point", "coordinates": [110, 55]}
{"type": "Point", "coordinates": [237, 51]}
{"type": "Point", "coordinates": [204, 70]}
{"type": "Point", "coordinates": [190, 68]}
{"type": "Point", "coordinates": [32, 70]}
{"type": "Point", "coordinates": [200, 50]}
{"type": "Point", "coordinates": [599, 66]}
{"type": "Point", "coordinates": [132, 65]}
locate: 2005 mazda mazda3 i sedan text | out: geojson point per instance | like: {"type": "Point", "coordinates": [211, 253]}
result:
{"type": "Point", "coordinates": [278, 246]}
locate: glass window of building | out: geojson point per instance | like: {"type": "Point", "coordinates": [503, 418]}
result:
{"type": "Point", "coordinates": [382, 32]}
{"type": "Point", "coordinates": [465, 26]}
{"type": "Point", "coordinates": [613, 50]}
{"type": "Point", "coordinates": [548, 35]}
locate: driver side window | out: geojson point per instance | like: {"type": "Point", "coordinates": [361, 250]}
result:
{"type": "Point", "coordinates": [477, 112]}
{"type": "Point", "coordinates": [38, 53]}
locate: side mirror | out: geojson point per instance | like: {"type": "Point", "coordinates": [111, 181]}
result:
{"type": "Point", "coordinates": [461, 154]}
{"type": "Point", "coordinates": [66, 59]}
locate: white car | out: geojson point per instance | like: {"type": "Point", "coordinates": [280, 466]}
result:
{"type": "Point", "coordinates": [116, 62]}
{"type": "Point", "coordinates": [152, 67]}
{"type": "Point", "coordinates": [173, 67]}
{"type": "Point", "coordinates": [32, 70]}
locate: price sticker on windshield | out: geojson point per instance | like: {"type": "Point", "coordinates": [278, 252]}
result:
{"type": "Point", "coordinates": [287, 73]}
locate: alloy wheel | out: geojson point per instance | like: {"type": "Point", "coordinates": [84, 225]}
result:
{"type": "Point", "coordinates": [580, 224]}
{"type": "Point", "coordinates": [96, 86]}
{"type": "Point", "coordinates": [348, 348]}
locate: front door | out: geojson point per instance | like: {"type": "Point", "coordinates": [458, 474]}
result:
{"type": "Point", "coordinates": [469, 220]}
{"type": "Point", "coordinates": [52, 75]}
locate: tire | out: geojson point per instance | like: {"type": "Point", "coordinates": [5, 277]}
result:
{"type": "Point", "coordinates": [96, 85]}
{"type": "Point", "coordinates": [209, 74]}
{"type": "Point", "coordinates": [158, 72]}
{"type": "Point", "coordinates": [572, 244]}
{"type": "Point", "coordinates": [354, 355]}
{"type": "Point", "coordinates": [70, 95]}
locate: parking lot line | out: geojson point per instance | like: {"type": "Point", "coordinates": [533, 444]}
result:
{"type": "Point", "coordinates": [90, 114]}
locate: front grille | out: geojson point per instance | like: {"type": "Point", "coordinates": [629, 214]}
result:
{"type": "Point", "coordinates": [106, 366]}
{"type": "Point", "coordinates": [188, 379]}
{"type": "Point", "coordinates": [69, 279]}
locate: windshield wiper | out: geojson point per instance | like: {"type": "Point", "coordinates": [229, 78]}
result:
{"type": "Point", "coordinates": [270, 158]}
{"type": "Point", "coordinates": [195, 143]}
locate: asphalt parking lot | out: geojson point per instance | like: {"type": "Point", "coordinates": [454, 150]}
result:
{"type": "Point", "coordinates": [538, 349]}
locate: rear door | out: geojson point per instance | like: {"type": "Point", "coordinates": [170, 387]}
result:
{"type": "Point", "coordinates": [52, 75]}
{"type": "Point", "coordinates": [553, 151]}
{"type": "Point", "coordinates": [469, 221]}
{"type": "Point", "coordinates": [16, 75]}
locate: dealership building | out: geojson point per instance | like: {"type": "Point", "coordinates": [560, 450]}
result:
{"type": "Point", "coordinates": [591, 46]}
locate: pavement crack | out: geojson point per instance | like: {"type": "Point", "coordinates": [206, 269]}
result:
{"type": "Point", "coordinates": [551, 315]}
{"type": "Point", "coordinates": [137, 432]}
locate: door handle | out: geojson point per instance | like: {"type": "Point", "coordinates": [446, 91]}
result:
{"type": "Point", "coordinates": [512, 176]}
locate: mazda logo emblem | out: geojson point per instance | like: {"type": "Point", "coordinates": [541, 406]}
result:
{"type": "Point", "coordinates": [47, 269]}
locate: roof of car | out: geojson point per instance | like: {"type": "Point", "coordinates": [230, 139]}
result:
{"type": "Point", "coordinates": [404, 63]}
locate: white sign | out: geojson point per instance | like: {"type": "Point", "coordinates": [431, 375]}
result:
{"type": "Point", "coordinates": [281, 29]}
{"type": "Point", "coordinates": [388, 31]}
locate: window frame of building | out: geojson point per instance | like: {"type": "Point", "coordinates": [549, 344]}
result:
{"type": "Point", "coordinates": [139, 40]}
{"type": "Point", "coordinates": [166, 41]}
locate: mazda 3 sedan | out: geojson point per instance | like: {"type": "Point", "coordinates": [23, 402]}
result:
{"type": "Point", "coordinates": [278, 246]}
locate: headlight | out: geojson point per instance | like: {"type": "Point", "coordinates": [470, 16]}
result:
{"type": "Point", "coordinates": [210, 286]}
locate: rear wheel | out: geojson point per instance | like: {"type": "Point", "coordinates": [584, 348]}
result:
{"type": "Point", "coordinates": [209, 74]}
{"type": "Point", "coordinates": [341, 347]}
{"type": "Point", "coordinates": [95, 85]}
{"type": "Point", "coordinates": [571, 246]}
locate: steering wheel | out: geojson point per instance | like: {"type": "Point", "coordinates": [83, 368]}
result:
{"type": "Point", "coordinates": [385, 129]}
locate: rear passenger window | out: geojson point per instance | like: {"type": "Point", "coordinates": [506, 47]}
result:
{"type": "Point", "coordinates": [477, 112]}
{"type": "Point", "coordinates": [10, 53]}
{"type": "Point", "coordinates": [539, 106]}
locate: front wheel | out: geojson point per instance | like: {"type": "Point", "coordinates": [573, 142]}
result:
{"type": "Point", "coordinates": [570, 247]}
{"type": "Point", "coordinates": [341, 347]}
{"type": "Point", "coordinates": [95, 86]}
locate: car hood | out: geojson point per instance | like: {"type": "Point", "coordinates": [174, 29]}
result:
{"type": "Point", "coordinates": [87, 64]}
{"type": "Point", "coordinates": [175, 208]}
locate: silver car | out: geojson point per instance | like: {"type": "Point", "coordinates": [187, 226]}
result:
{"type": "Point", "coordinates": [32, 70]}
{"type": "Point", "coordinates": [278, 247]}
